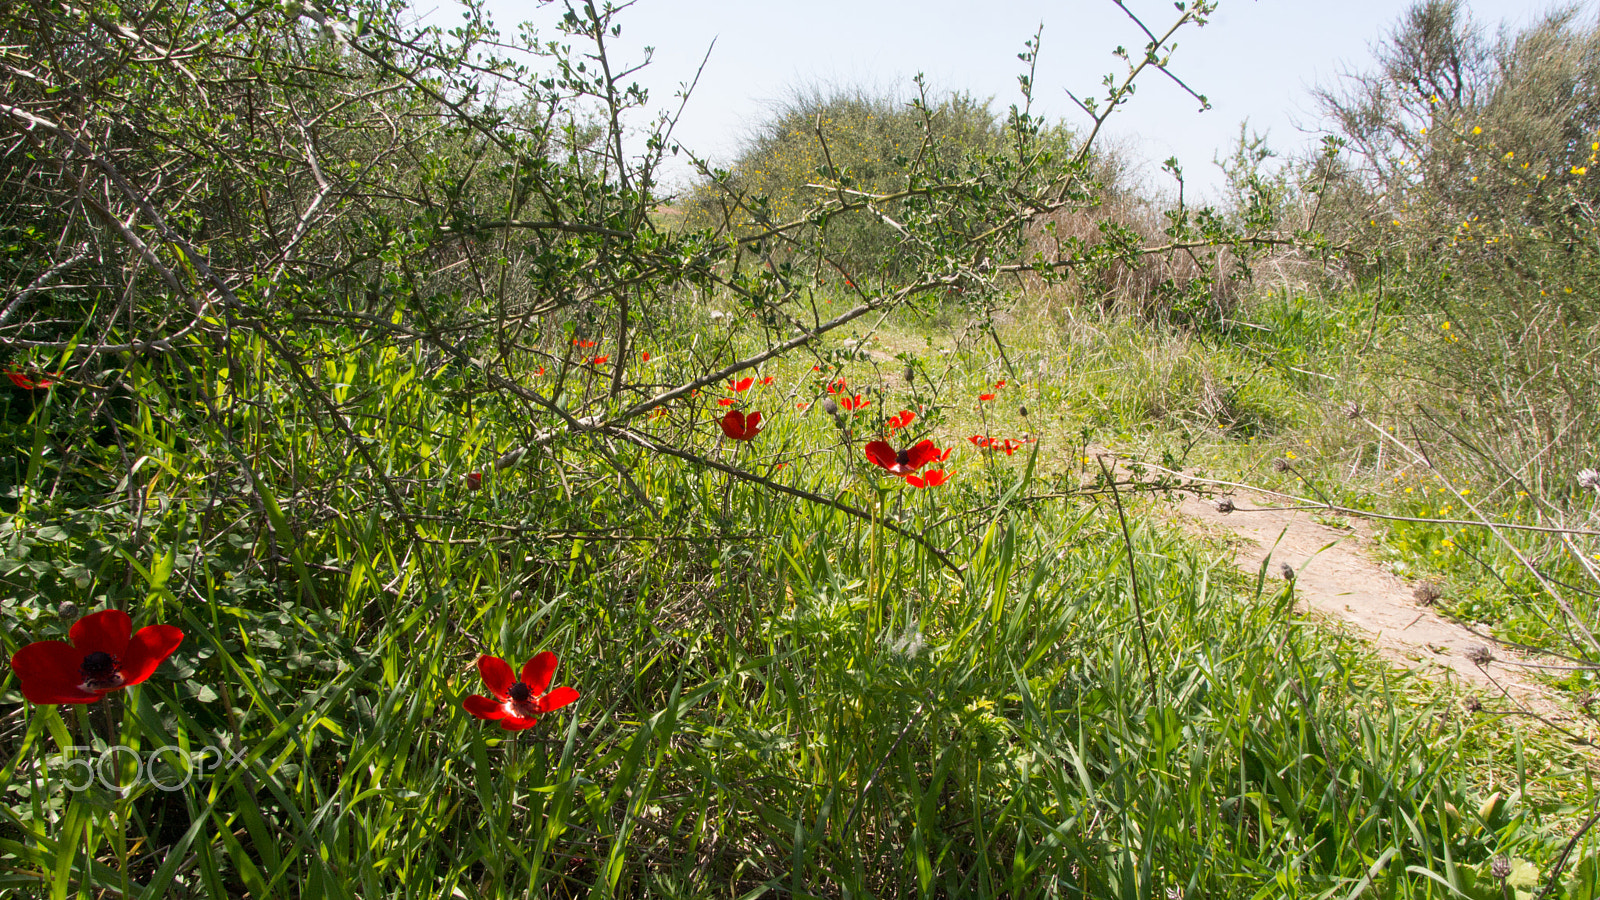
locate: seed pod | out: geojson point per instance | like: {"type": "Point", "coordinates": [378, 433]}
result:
{"type": "Point", "coordinates": [1286, 571]}
{"type": "Point", "coordinates": [1479, 655]}
{"type": "Point", "coordinates": [1224, 505]}
{"type": "Point", "coordinates": [1427, 593]}
{"type": "Point", "coordinates": [1352, 410]}
{"type": "Point", "coordinates": [516, 596]}
{"type": "Point", "coordinates": [67, 610]}
{"type": "Point", "coordinates": [830, 407]}
{"type": "Point", "coordinates": [911, 374]}
{"type": "Point", "coordinates": [1501, 867]}
{"type": "Point", "coordinates": [1281, 465]}
{"type": "Point", "coordinates": [1589, 478]}
{"type": "Point", "coordinates": [1023, 410]}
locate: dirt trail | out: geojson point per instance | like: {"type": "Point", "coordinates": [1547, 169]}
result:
{"type": "Point", "coordinates": [1336, 575]}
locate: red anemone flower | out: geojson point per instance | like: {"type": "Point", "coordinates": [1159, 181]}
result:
{"type": "Point", "coordinates": [518, 703]}
{"type": "Point", "coordinates": [741, 427]}
{"type": "Point", "coordinates": [726, 401]}
{"type": "Point", "coordinates": [983, 397]}
{"type": "Point", "coordinates": [474, 480]}
{"type": "Point", "coordinates": [582, 344]}
{"type": "Point", "coordinates": [802, 406]}
{"type": "Point", "coordinates": [740, 386]}
{"type": "Point", "coordinates": [980, 441]}
{"type": "Point", "coordinates": [645, 356]}
{"type": "Point", "coordinates": [1001, 383]}
{"type": "Point", "coordinates": [600, 360]}
{"type": "Point", "coordinates": [902, 420]}
{"type": "Point", "coordinates": [932, 478]}
{"type": "Point", "coordinates": [849, 404]}
{"type": "Point", "coordinates": [943, 456]}
{"type": "Point", "coordinates": [1009, 446]}
{"type": "Point", "coordinates": [901, 462]}
{"type": "Point", "coordinates": [104, 656]}
{"type": "Point", "coordinates": [539, 372]}
{"type": "Point", "coordinates": [837, 385]}
{"type": "Point", "coordinates": [767, 380]}
{"type": "Point", "coordinates": [26, 383]}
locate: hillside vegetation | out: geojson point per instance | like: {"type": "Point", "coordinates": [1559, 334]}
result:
{"type": "Point", "coordinates": [347, 357]}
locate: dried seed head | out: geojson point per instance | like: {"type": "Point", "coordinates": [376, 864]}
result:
{"type": "Point", "coordinates": [1590, 479]}
{"type": "Point", "coordinates": [1427, 593]}
{"type": "Point", "coordinates": [1352, 410]}
{"type": "Point", "coordinates": [1281, 465]}
{"type": "Point", "coordinates": [1023, 410]}
{"type": "Point", "coordinates": [1224, 505]}
{"type": "Point", "coordinates": [911, 374]}
{"type": "Point", "coordinates": [1474, 705]}
{"type": "Point", "coordinates": [1286, 571]}
{"type": "Point", "coordinates": [830, 407]}
{"type": "Point", "coordinates": [1479, 655]}
{"type": "Point", "coordinates": [67, 610]}
{"type": "Point", "coordinates": [1501, 867]}
{"type": "Point", "coordinates": [516, 596]}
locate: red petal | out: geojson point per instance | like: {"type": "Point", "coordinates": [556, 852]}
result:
{"type": "Point", "coordinates": [49, 672]}
{"type": "Point", "coordinates": [945, 455]}
{"type": "Point", "coordinates": [536, 672]}
{"type": "Point", "coordinates": [752, 425]}
{"type": "Point", "coordinates": [497, 675]}
{"type": "Point", "coordinates": [937, 477]}
{"type": "Point", "coordinates": [880, 453]}
{"type": "Point", "coordinates": [921, 454]}
{"type": "Point", "coordinates": [726, 401]}
{"type": "Point", "coordinates": [484, 708]}
{"type": "Point", "coordinates": [513, 723]}
{"type": "Point", "coordinates": [985, 396]}
{"type": "Point", "coordinates": [148, 648]}
{"type": "Point", "coordinates": [106, 631]}
{"type": "Point", "coordinates": [561, 696]}
{"type": "Point", "coordinates": [733, 424]}
{"type": "Point", "coordinates": [741, 385]}
{"type": "Point", "coordinates": [977, 440]}
{"type": "Point", "coordinates": [915, 482]}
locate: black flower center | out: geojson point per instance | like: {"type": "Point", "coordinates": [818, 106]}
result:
{"type": "Point", "coordinates": [520, 692]}
{"type": "Point", "coordinates": [99, 671]}
{"type": "Point", "coordinates": [903, 457]}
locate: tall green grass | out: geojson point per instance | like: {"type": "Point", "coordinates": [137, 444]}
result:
{"type": "Point", "coordinates": [778, 698]}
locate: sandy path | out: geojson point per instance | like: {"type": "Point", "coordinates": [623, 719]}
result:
{"type": "Point", "coordinates": [1336, 575]}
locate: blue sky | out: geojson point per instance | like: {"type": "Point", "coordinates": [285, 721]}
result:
{"type": "Point", "coordinates": [1256, 60]}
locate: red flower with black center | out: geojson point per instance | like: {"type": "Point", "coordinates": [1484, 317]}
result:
{"type": "Point", "coordinates": [518, 702]}
{"type": "Point", "coordinates": [741, 427]}
{"type": "Point", "coordinates": [901, 462]}
{"type": "Point", "coordinates": [902, 420]}
{"type": "Point", "coordinates": [105, 655]}
{"type": "Point", "coordinates": [981, 442]}
{"type": "Point", "coordinates": [837, 385]}
{"type": "Point", "coordinates": [26, 383]}
{"type": "Point", "coordinates": [931, 478]}
{"type": "Point", "coordinates": [740, 386]}
{"type": "Point", "coordinates": [474, 480]}
{"type": "Point", "coordinates": [849, 404]}
{"type": "Point", "coordinates": [645, 356]}
{"type": "Point", "coordinates": [983, 397]}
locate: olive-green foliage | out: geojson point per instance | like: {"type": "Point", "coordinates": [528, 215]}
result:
{"type": "Point", "coordinates": [819, 141]}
